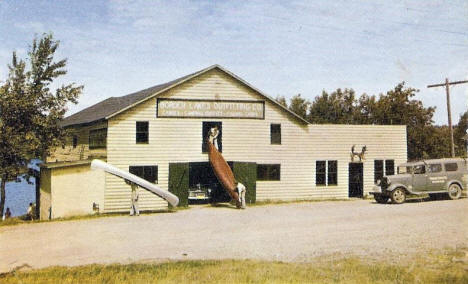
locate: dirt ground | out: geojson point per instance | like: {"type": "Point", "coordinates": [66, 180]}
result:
{"type": "Point", "coordinates": [286, 232]}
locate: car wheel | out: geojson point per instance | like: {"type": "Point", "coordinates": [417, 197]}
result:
{"type": "Point", "coordinates": [381, 199]}
{"type": "Point", "coordinates": [454, 191]}
{"type": "Point", "coordinates": [398, 195]}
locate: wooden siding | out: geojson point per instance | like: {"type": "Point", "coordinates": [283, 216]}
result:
{"type": "Point", "coordinates": [179, 140]}
{"type": "Point", "coordinates": [75, 189]}
{"type": "Point", "coordinates": [82, 151]}
{"type": "Point", "coordinates": [45, 199]}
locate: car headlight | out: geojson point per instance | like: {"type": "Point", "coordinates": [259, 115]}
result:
{"type": "Point", "coordinates": [378, 182]}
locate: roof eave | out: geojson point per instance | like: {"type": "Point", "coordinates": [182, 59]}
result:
{"type": "Point", "coordinates": [85, 123]}
{"type": "Point", "coordinates": [161, 91]}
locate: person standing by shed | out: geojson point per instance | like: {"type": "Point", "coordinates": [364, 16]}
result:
{"type": "Point", "coordinates": [7, 214]}
{"type": "Point", "coordinates": [31, 212]}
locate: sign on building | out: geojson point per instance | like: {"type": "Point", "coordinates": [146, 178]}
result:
{"type": "Point", "coordinates": [182, 108]}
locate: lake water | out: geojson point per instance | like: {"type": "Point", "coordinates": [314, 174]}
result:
{"type": "Point", "coordinates": [20, 194]}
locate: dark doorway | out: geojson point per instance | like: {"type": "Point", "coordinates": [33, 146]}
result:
{"type": "Point", "coordinates": [356, 180]}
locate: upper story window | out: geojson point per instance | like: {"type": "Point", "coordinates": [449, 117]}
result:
{"type": "Point", "coordinates": [142, 132]}
{"type": "Point", "coordinates": [275, 133]}
{"type": "Point", "coordinates": [149, 173]}
{"type": "Point", "coordinates": [268, 172]}
{"type": "Point", "coordinates": [326, 172]}
{"type": "Point", "coordinates": [98, 138]}
{"type": "Point", "coordinates": [217, 128]}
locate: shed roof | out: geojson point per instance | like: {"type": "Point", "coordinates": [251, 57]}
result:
{"type": "Point", "coordinates": [115, 105]}
{"type": "Point", "coordinates": [53, 165]}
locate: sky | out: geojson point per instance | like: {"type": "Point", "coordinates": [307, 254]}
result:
{"type": "Point", "coordinates": [281, 47]}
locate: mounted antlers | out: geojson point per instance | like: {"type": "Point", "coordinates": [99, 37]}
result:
{"type": "Point", "coordinates": [360, 155]}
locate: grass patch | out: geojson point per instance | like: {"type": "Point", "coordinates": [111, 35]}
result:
{"type": "Point", "coordinates": [432, 268]}
{"type": "Point", "coordinates": [19, 220]}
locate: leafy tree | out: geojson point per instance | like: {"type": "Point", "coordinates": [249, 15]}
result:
{"type": "Point", "coordinates": [339, 107]}
{"type": "Point", "coordinates": [435, 142]}
{"type": "Point", "coordinates": [299, 105]}
{"type": "Point", "coordinates": [30, 112]}
{"type": "Point", "coordinates": [398, 107]}
{"type": "Point", "coordinates": [459, 135]}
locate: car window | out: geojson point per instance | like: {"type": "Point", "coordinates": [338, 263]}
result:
{"type": "Point", "coordinates": [451, 167]}
{"type": "Point", "coordinates": [434, 168]}
{"type": "Point", "coordinates": [420, 169]}
{"type": "Point", "coordinates": [404, 170]}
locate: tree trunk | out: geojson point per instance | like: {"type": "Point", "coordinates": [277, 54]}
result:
{"type": "Point", "coordinates": [2, 193]}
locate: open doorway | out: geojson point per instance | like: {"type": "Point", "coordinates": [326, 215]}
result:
{"type": "Point", "coordinates": [356, 180]}
{"type": "Point", "coordinates": [204, 187]}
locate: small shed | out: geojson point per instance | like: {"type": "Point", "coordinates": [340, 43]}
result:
{"type": "Point", "coordinates": [70, 189]}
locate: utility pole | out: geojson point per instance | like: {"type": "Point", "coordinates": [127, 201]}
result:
{"type": "Point", "coordinates": [447, 91]}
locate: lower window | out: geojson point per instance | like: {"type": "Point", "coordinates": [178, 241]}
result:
{"type": "Point", "coordinates": [379, 166]}
{"type": "Point", "coordinates": [148, 173]}
{"type": "Point", "coordinates": [326, 172]}
{"type": "Point", "coordinates": [268, 171]}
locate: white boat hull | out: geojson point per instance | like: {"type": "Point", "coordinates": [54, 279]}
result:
{"type": "Point", "coordinates": [164, 194]}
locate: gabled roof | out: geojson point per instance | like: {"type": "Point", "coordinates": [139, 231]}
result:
{"type": "Point", "coordinates": [115, 105]}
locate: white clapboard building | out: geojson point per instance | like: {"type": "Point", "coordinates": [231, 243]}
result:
{"type": "Point", "coordinates": [158, 133]}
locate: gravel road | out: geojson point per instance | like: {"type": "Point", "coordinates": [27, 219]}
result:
{"type": "Point", "coordinates": [287, 232]}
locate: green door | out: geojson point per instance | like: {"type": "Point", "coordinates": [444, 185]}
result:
{"type": "Point", "coordinates": [179, 182]}
{"type": "Point", "coordinates": [246, 173]}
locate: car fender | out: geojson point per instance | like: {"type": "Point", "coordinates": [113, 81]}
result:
{"type": "Point", "coordinates": [450, 182]}
{"type": "Point", "coordinates": [395, 185]}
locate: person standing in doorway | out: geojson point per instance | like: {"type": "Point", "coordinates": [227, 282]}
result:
{"type": "Point", "coordinates": [213, 136]}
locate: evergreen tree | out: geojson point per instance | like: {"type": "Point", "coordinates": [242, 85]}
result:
{"type": "Point", "coordinates": [281, 100]}
{"type": "Point", "coordinates": [30, 112]}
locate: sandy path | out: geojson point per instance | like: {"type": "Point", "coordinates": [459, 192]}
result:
{"type": "Point", "coordinates": [289, 232]}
